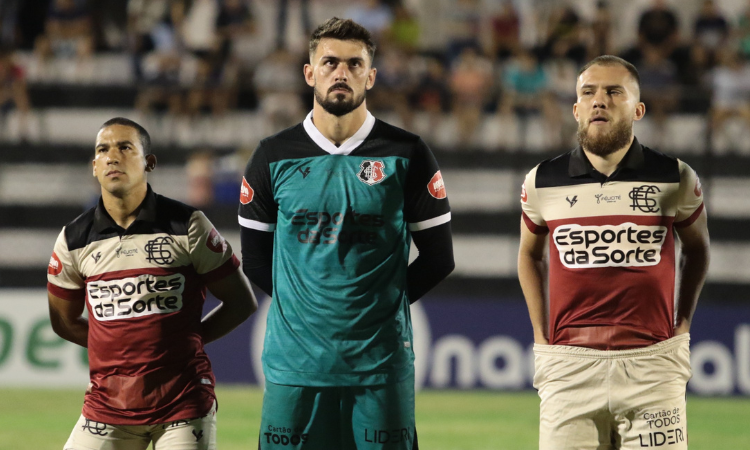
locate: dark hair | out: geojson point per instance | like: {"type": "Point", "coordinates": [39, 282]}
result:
{"type": "Point", "coordinates": [611, 60]}
{"type": "Point", "coordinates": [344, 30]}
{"type": "Point", "coordinates": [142, 133]}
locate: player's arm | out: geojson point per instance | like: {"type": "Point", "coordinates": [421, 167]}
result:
{"type": "Point", "coordinates": [435, 260]}
{"type": "Point", "coordinates": [532, 276]}
{"type": "Point", "coordinates": [693, 270]}
{"type": "Point", "coordinates": [237, 304]}
{"type": "Point", "coordinates": [67, 319]}
{"type": "Point", "coordinates": [257, 257]}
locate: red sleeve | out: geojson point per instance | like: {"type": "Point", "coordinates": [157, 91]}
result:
{"type": "Point", "coordinates": [222, 271]}
{"type": "Point", "coordinates": [66, 294]}
{"type": "Point", "coordinates": [689, 221]}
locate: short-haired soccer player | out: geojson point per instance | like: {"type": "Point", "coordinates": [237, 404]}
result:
{"type": "Point", "coordinates": [612, 356]}
{"type": "Point", "coordinates": [328, 210]}
{"type": "Point", "coordinates": [140, 263]}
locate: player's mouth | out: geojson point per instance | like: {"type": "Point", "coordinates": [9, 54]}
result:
{"type": "Point", "coordinates": [598, 119]}
{"type": "Point", "coordinates": [114, 173]}
{"type": "Point", "coordinates": [339, 89]}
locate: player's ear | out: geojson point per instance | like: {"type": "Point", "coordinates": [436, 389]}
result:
{"type": "Point", "coordinates": [575, 111]}
{"type": "Point", "coordinates": [371, 78]}
{"type": "Point", "coordinates": [640, 111]}
{"type": "Point", "coordinates": [93, 167]}
{"type": "Point", "coordinates": [309, 75]}
{"type": "Point", "coordinates": [150, 162]}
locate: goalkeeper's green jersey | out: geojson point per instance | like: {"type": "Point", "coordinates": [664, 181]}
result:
{"type": "Point", "coordinates": [342, 218]}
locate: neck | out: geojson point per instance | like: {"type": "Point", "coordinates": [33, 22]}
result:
{"type": "Point", "coordinates": [124, 208]}
{"type": "Point", "coordinates": [338, 129]}
{"type": "Point", "coordinates": [606, 165]}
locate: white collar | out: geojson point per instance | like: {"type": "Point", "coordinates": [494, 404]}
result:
{"type": "Point", "coordinates": [349, 145]}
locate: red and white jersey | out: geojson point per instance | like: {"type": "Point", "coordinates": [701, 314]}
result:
{"type": "Point", "coordinates": [144, 289]}
{"type": "Point", "coordinates": [611, 241]}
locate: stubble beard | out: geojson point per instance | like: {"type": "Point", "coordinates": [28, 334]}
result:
{"type": "Point", "coordinates": [605, 144]}
{"type": "Point", "coordinates": [338, 104]}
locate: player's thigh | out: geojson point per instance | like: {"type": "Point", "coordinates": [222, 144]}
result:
{"type": "Point", "coordinates": [382, 417]}
{"type": "Point", "coordinates": [91, 435]}
{"type": "Point", "coordinates": [654, 406]}
{"type": "Point", "coordinates": [299, 417]}
{"type": "Point", "coordinates": [573, 413]}
{"type": "Point", "coordinates": [193, 434]}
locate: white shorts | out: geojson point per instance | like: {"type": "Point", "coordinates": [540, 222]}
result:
{"type": "Point", "coordinates": [194, 434]}
{"type": "Point", "coordinates": [620, 399]}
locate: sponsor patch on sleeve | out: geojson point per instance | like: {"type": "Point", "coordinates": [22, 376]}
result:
{"type": "Point", "coordinates": [55, 266]}
{"type": "Point", "coordinates": [524, 195]}
{"type": "Point", "coordinates": [698, 191]}
{"type": "Point", "coordinates": [436, 186]}
{"type": "Point", "coordinates": [215, 242]}
{"type": "Point", "coordinates": [246, 192]}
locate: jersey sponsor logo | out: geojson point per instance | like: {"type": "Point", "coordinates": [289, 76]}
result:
{"type": "Point", "coordinates": [305, 172]}
{"type": "Point", "coordinates": [607, 198]}
{"type": "Point", "coordinates": [144, 295]}
{"type": "Point", "coordinates": [125, 252]}
{"type": "Point", "coordinates": [158, 251]}
{"type": "Point", "coordinates": [642, 197]}
{"type": "Point", "coordinates": [246, 192]}
{"type": "Point", "coordinates": [215, 242]}
{"type": "Point", "coordinates": [572, 201]}
{"type": "Point", "coordinates": [624, 245]}
{"type": "Point", "coordinates": [328, 227]}
{"type": "Point", "coordinates": [55, 267]}
{"type": "Point", "coordinates": [96, 256]}
{"type": "Point", "coordinates": [371, 172]}
{"type": "Point", "coordinates": [436, 186]}
{"type": "Point", "coordinates": [698, 190]}
{"type": "Point", "coordinates": [524, 195]}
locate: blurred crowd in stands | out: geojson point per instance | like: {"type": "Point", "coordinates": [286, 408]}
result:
{"type": "Point", "coordinates": [196, 57]}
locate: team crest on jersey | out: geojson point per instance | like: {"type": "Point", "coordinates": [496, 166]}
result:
{"type": "Point", "coordinates": [246, 192]}
{"type": "Point", "coordinates": [215, 242]}
{"type": "Point", "coordinates": [436, 186]}
{"type": "Point", "coordinates": [371, 172]}
{"type": "Point", "coordinates": [55, 266]}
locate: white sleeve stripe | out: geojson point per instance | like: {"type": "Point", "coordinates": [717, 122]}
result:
{"type": "Point", "coordinates": [255, 225]}
{"type": "Point", "coordinates": [429, 223]}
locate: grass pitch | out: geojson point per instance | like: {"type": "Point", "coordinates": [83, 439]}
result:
{"type": "Point", "coordinates": [446, 420]}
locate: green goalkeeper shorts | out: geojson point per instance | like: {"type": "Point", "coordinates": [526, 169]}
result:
{"type": "Point", "coordinates": [339, 418]}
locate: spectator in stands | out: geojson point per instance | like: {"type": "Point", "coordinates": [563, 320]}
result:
{"type": "Point", "coordinates": [394, 86]}
{"type": "Point", "coordinates": [13, 93]}
{"type": "Point", "coordinates": [561, 73]}
{"type": "Point", "coordinates": [235, 20]}
{"type": "Point", "coordinates": [731, 89]}
{"type": "Point", "coordinates": [601, 31]}
{"type": "Point", "coordinates": [162, 68]}
{"type": "Point", "coordinates": [144, 18]}
{"type": "Point", "coordinates": [404, 31]}
{"type": "Point", "coordinates": [659, 88]}
{"type": "Point", "coordinates": [68, 37]}
{"type": "Point", "coordinates": [374, 15]}
{"type": "Point", "coordinates": [743, 32]}
{"type": "Point", "coordinates": [506, 31]}
{"type": "Point", "coordinates": [281, 20]}
{"type": "Point", "coordinates": [710, 29]}
{"type": "Point", "coordinates": [566, 29]}
{"type": "Point", "coordinates": [470, 84]}
{"type": "Point", "coordinates": [658, 28]}
{"type": "Point", "coordinates": [526, 89]}
{"type": "Point", "coordinates": [432, 94]}
{"type": "Point", "coordinates": [8, 22]}
{"type": "Point", "coordinates": [462, 27]}
{"type": "Point", "coordinates": [279, 89]}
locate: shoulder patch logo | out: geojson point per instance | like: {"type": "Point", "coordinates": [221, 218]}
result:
{"type": "Point", "coordinates": [246, 192]}
{"type": "Point", "coordinates": [436, 186]}
{"type": "Point", "coordinates": [215, 242]}
{"type": "Point", "coordinates": [55, 266]}
{"type": "Point", "coordinates": [524, 195]}
{"type": "Point", "coordinates": [371, 172]}
{"type": "Point", "coordinates": [698, 191]}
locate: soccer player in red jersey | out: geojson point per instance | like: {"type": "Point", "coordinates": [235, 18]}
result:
{"type": "Point", "coordinates": [140, 263]}
{"type": "Point", "coordinates": [612, 355]}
